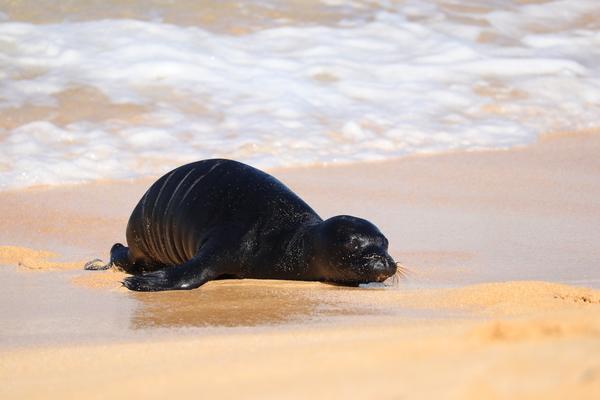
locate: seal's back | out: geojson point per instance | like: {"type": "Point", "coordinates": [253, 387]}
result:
{"type": "Point", "coordinates": [180, 209]}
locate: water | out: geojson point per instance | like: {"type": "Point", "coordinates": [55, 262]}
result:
{"type": "Point", "coordinates": [106, 90]}
{"type": "Point", "coordinates": [44, 308]}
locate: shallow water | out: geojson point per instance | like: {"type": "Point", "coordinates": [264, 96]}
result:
{"type": "Point", "coordinates": [41, 308]}
{"type": "Point", "coordinates": [98, 90]}
{"type": "Point", "coordinates": [46, 308]}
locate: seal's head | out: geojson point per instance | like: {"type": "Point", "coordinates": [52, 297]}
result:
{"type": "Point", "coordinates": [352, 250]}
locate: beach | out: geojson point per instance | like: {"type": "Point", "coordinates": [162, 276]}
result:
{"type": "Point", "coordinates": [467, 132]}
{"type": "Point", "coordinates": [500, 300]}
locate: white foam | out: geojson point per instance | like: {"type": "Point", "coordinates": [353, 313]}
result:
{"type": "Point", "coordinates": [416, 78]}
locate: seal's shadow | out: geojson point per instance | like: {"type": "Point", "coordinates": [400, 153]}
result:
{"type": "Point", "coordinates": [232, 303]}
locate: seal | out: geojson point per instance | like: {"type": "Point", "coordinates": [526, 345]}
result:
{"type": "Point", "coordinates": [218, 219]}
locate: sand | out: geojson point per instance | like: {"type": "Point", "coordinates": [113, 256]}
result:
{"type": "Point", "coordinates": [501, 299]}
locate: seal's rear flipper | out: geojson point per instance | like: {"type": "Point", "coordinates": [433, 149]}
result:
{"type": "Point", "coordinates": [119, 258]}
{"type": "Point", "coordinates": [96, 265]}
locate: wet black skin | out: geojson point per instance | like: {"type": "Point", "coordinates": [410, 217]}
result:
{"type": "Point", "coordinates": [216, 219]}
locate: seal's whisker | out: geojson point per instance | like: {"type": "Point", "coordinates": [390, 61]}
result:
{"type": "Point", "coordinates": [402, 271]}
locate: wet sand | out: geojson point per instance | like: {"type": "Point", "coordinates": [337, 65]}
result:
{"type": "Point", "coordinates": [501, 299]}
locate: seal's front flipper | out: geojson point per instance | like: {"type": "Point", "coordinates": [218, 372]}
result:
{"type": "Point", "coordinates": [149, 282]}
{"type": "Point", "coordinates": [181, 277]}
{"type": "Point", "coordinates": [212, 261]}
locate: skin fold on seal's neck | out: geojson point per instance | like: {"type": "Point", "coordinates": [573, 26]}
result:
{"type": "Point", "coordinates": [300, 261]}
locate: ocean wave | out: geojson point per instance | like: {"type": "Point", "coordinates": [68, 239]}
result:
{"type": "Point", "coordinates": [124, 98]}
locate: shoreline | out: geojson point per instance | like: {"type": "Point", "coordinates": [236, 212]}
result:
{"type": "Point", "coordinates": [440, 180]}
{"type": "Point", "coordinates": [543, 138]}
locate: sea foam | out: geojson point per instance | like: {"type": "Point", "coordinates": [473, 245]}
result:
{"type": "Point", "coordinates": [415, 78]}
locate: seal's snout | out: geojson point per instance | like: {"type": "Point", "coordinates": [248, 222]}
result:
{"type": "Point", "coordinates": [383, 267]}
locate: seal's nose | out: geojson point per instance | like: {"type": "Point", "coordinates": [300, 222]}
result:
{"type": "Point", "coordinates": [383, 268]}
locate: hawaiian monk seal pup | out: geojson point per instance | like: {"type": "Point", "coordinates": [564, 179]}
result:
{"type": "Point", "coordinates": [216, 219]}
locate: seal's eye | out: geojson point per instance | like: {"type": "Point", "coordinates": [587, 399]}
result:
{"type": "Point", "coordinates": [355, 243]}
